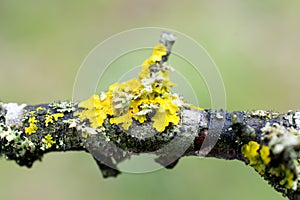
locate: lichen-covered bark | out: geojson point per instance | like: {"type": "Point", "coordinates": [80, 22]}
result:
{"type": "Point", "coordinates": [235, 131]}
{"type": "Point", "coordinates": [27, 147]}
{"type": "Point", "coordinates": [142, 115]}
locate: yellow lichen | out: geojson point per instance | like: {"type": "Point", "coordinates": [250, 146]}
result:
{"type": "Point", "coordinates": [96, 110]}
{"type": "Point", "coordinates": [50, 118]}
{"type": "Point", "coordinates": [195, 107]}
{"type": "Point", "coordinates": [32, 112]}
{"type": "Point", "coordinates": [287, 177]}
{"type": "Point", "coordinates": [132, 86]}
{"type": "Point", "coordinates": [265, 154]}
{"type": "Point", "coordinates": [167, 113]}
{"type": "Point", "coordinates": [158, 52]}
{"type": "Point", "coordinates": [250, 151]}
{"type": "Point", "coordinates": [57, 115]}
{"type": "Point", "coordinates": [234, 117]}
{"type": "Point", "coordinates": [40, 108]}
{"type": "Point", "coordinates": [140, 118]}
{"type": "Point", "coordinates": [135, 98]}
{"type": "Point", "coordinates": [257, 159]}
{"type": "Point", "coordinates": [48, 140]}
{"type": "Point", "coordinates": [32, 126]}
{"type": "Point", "coordinates": [125, 120]}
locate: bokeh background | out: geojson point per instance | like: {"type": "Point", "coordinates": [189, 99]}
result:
{"type": "Point", "coordinates": [255, 44]}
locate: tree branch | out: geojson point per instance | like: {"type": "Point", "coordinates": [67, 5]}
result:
{"type": "Point", "coordinates": [267, 141]}
{"type": "Point", "coordinates": [238, 128]}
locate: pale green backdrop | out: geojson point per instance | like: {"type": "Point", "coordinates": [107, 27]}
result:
{"type": "Point", "coordinates": [255, 44]}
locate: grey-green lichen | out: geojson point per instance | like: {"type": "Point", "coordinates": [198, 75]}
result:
{"type": "Point", "coordinates": [11, 135]}
{"type": "Point", "coordinates": [63, 106]}
{"type": "Point", "coordinates": [284, 145]}
{"type": "Point", "coordinates": [263, 114]}
{"type": "Point", "coordinates": [14, 140]}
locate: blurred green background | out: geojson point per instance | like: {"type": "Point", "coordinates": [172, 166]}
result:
{"type": "Point", "coordinates": [255, 44]}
